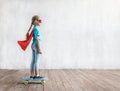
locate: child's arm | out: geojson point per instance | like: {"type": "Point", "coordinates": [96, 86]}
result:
{"type": "Point", "coordinates": [38, 46]}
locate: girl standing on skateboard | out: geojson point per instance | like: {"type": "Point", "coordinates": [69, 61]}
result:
{"type": "Point", "coordinates": [36, 50]}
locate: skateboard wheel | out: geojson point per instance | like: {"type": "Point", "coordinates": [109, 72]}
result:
{"type": "Point", "coordinates": [26, 82]}
{"type": "Point", "coordinates": [43, 82]}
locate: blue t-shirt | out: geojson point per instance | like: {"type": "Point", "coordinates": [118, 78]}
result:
{"type": "Point", "coordinates": [37, 34]}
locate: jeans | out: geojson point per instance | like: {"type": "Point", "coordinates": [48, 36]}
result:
{"type": "Point", "coordinates": [35, 58]}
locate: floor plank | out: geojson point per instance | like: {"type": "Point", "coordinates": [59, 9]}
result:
{"type": "Point", "coordinates": [62, 80]}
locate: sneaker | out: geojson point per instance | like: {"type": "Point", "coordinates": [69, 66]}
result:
{"type": "Point", "coordinates": [37, 76]}
{"type": "Point", "coordinates": [31, 76]}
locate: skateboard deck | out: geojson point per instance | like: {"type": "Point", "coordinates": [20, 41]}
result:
{"type": "Point", "coordinates": [41, 80]}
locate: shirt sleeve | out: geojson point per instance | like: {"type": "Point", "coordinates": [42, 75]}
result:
{"type": "Point", "coordinates": [36, 33]}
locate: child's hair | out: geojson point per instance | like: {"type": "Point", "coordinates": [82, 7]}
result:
{"type": "Point", "coordinates": [35, 17]}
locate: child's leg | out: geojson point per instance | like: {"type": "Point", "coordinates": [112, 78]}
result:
{"type": "Point", "coordinates": [32, 66]}
{"type": "Point", "coordinates": [32, 72]}
{"type": "Point", "coordinates": [37, 63]}
{"type": "Point", "coordinates": [37, 72]}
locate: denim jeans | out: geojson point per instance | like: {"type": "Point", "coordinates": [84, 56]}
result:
{"type": "Point", "coordinates": [35, 57]}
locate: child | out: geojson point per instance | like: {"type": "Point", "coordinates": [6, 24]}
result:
{"type": "Point", "coordinates": [36, 50]}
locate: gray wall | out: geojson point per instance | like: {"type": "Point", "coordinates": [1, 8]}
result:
{"type": "Point", "coordinates": [76, 33]}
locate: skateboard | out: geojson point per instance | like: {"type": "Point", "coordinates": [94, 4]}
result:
{"type": "Point", "coordinates": [27, 80]}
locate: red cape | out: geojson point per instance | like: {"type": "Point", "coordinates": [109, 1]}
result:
{"type": "Point", "coordinates": [24, 43]}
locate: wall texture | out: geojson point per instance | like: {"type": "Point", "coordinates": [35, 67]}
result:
{"type": "Point", "coordinates": [76, 33]}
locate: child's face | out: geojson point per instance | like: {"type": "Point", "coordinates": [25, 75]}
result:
{"type": "Point", "coordinates": [37, 22]}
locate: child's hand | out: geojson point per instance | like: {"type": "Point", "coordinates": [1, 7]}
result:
{"type": "Point", "coordinates": [39, 51]}
{"type": "Point", "coordinates": [27, 35]}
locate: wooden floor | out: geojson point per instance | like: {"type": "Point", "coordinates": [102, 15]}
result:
{"type": "Point", "coordinates": [63, 80]}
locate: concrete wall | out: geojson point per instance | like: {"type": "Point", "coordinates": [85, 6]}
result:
{"type": "Point", "coordinates": [76, 33]}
